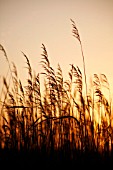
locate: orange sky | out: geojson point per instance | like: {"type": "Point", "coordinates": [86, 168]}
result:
{"type": "Point", "coordinates": [26, 24]}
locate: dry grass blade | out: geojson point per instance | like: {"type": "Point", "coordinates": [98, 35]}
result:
{"type": "Point", "coordinates": [76, 34]}
{"type": "Point", "coordinates": [29, 66]}
{"type": "Point", "coordinates": [75, 31]}
{"type": "Point", "coordinates": [5, 54]}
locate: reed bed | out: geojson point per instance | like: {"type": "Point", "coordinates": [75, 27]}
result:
{"type": "Point", "coordinates": [62, 122]}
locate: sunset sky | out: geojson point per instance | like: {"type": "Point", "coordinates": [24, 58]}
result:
{"type": "Point", "coordinates": [26, 24]}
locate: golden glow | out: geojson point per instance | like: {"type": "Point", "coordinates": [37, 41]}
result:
{"type": "Point", "coordinates": [25, 25]}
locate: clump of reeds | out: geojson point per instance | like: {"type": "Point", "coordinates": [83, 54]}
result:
{"type": "Point", "coordinates": [60, 120]}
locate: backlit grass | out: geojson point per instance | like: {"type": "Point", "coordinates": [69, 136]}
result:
{"type": "Point", "coordinates": [61, 122]}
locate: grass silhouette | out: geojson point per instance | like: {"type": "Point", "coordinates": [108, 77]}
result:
{"type": "Point", "coordinates": [60, 125]}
